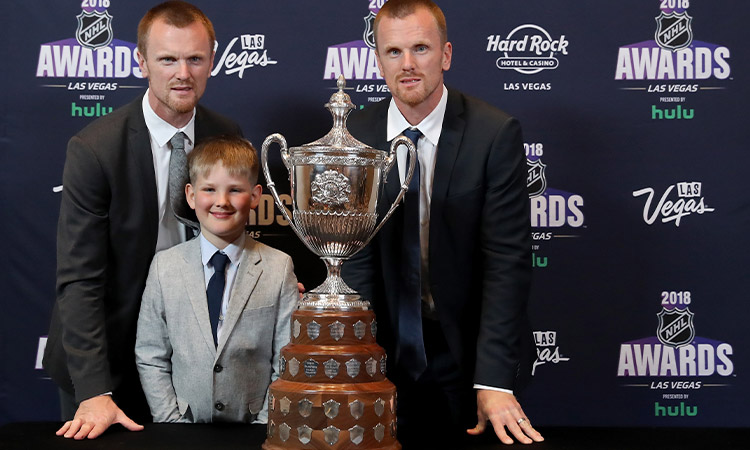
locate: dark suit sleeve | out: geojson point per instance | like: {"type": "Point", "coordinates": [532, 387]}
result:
{"type": "Point", "coordinates": [82, 269]}
{"type": "Point", "coordinates": [506, 251]}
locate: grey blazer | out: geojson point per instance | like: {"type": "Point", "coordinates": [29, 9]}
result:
{"type": "Point", "coordinates": [185, 378]}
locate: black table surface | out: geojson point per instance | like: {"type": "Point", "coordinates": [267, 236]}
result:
{"type": "Point", "coordinates": [33, 435]}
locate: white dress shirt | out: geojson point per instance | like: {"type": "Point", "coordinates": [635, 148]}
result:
{"type": "Point", "coordinates": [171, 231]}
{"type": "Point", "coordinates": [234, 252]}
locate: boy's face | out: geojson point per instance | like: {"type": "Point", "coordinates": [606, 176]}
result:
{"type": "Point", "coordinates": [222, 203]}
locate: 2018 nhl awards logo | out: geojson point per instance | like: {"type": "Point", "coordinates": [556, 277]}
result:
{"type": "Point", "coordinates": [675, 327]}
{"type": "Point", "coordinates": [94, 29]}
{"type": "Point", "coordinates": [674, 31]}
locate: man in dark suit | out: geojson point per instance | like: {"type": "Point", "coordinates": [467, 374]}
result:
{"type": "Point", "coordinates": [115, 214]}
{"type": "Point", "coordinates": [468, 242]}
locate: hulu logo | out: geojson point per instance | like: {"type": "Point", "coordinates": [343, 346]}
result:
{"type": "Point", "coordinates": [675, 411]}
{"type": "Point", "coordinates": [89, 111]}
{"type": "Point", "coordinates": [671, 114]}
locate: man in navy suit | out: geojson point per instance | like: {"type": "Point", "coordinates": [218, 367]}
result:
{"type": "Point", "coordinates": [115, 214]}
{"type": "Point", "coordinates": [470, 228]}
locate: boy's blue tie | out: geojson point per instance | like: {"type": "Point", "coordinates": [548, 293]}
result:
{"type": "Point", "coordinates": [411, 353]}
{"type": "Point", "coordinates": [215, 290]}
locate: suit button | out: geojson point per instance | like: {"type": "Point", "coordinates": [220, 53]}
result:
{"type": "Point", "coordinates": [218, 368]}
{"type": "Point", "coordinates": [219, 406]}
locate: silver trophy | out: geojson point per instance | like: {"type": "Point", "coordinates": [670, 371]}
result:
{"type": "Point", "coordinates": [335, 184]}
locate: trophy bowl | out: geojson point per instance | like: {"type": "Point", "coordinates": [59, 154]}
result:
{"type": "Point", "coordinates": [335, 185]}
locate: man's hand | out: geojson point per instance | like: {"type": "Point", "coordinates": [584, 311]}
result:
{"type": "Point", "coordinates": [503, 410]}
{"type": "Point", "coordinates": [301, 289]}
{"type": "Point", "coordinates": [93, 418]}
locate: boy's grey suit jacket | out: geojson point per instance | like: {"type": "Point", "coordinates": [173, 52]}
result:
{"type": "Point", "coordinates": [187, 379]}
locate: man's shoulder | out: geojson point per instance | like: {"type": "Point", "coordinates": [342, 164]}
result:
{"type": "Point", "coordinates": [214, 121]}
{"type": "Point", "coordinates": [475, 107]}
{"type": "Point", "coordinates": [118, 120]}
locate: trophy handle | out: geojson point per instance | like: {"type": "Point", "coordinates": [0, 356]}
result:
{"type": "Point", "coordinates": [279, 139]}
{"type": "Point", "coordinates": [390, 162]}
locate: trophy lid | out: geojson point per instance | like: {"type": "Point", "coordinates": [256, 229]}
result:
{"type": "Point", "coordinates": [339, 139]}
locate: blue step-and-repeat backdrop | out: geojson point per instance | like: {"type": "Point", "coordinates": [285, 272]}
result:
{"type": "Point", "coordinates": [636, 133]}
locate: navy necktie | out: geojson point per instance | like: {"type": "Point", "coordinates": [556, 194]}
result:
{"type": "Point", "coordinates": [411, 354]}
{"type": "Point", "coordinates": [215, 290]}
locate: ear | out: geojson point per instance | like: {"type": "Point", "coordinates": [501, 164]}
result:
{"type": "Point", "coordinates": [255, 195]}
{"type": "Point", "coordinates": [190, 195]}
{"type": "Point", "coordinates": [447, 56]}
{"type": "Point", "coordinates": [142, 64]}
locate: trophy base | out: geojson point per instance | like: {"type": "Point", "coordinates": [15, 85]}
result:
{"type": "Point", "coordinates": [332, 392]}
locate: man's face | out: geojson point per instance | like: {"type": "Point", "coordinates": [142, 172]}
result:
{"type": "Point", "coordinates": [178, 63]}
{"type": "Point", "coordinates": [412, 59]}
{"type": "Point", "coordinates": [222, 203]}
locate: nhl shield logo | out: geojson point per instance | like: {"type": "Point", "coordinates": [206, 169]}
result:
{"type": "Point", "coordinates": [675, 327]}
{"type": "Point", "coordinates": [369, 35]}
{"type": "Point", "coordinates": [536, 182]}
{"type": "Point", "coordinates": [94, 29]}
{"type": "Point", "coordinates": [674, 31]}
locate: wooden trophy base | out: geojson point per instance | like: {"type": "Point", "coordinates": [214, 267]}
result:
{"type": "Point", "coordinates": [332, 393]}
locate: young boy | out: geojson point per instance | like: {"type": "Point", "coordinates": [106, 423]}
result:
{"type": "Point", "coordinates": [208, 342]}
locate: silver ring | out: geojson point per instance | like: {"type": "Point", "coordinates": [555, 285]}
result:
{"type": "Point", "coordinates": [521, 420]}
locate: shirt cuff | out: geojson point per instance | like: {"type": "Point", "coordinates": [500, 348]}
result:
{"type": "Point", "coordinates": [491, 388]}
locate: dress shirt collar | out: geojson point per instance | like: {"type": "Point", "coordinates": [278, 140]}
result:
{"type": "Point", "coordinates": [161, 131]}
{"type": "Point", "coordinates": [430, 126]}
{"type": "Point", "coordinates": [233, 250]}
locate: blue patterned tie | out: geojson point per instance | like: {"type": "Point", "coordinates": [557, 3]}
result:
{"type": "Point", "coordinates": [411, 353]}
{"type": "Point", "coordinates": [215, 291]}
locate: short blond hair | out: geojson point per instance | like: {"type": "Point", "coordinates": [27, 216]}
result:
{"type": "Point", "coordinates": [178, 14]}
{"type": "Point", "coordinates": [398, 9]}
{"type": "Point", "coordinates": [237, 155]}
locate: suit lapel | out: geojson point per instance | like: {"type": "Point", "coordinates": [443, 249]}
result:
{"type": "Point", "coordinates": [247, 278]}
{"type": "Point", "coordinates": [194, 281]}
{"type": "Point", "coordinates": [139, 147]}
{"type": "Point", "coordinates": [448, 147]}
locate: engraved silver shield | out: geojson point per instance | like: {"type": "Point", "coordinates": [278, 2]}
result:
{"type": "Point", "coordinates": [305, 434]}
{"type": "Point", "coordinates": [285, 405]}
{"type": "Point", "coordinates": [311, 367]}
{"type": "Point", "coordinates": [371, 366]}
{"type": "Point", "coordinates": [271, 428]}
{"type": "Point", "coordinates": [331, 408]}
{"type": "Point", "coordinates": [352, 367]}
{"type": "Point", "coordinates": [282, 365]}
{"type": "Point", "coordinates": [284, 430]}
{"type": "Point", "coordinates": [360, 329]}
{"type": "Point", "coordinates": [313, 330]}
{"type": "Point", "coordinates": [382, 364]}
{"type": "Point", "coordinates": [305, 407]}
{"type": "Point", "coordinates": [271, 402]}
{"type": "Point", "coordinates": [296, 328]}
{"type": "Point", "coordinates": [374, 328]}
{"type": "Point", "coordinates": [293, 367]}
{"type": "Point", "coordinates": [357, 408]}
{"type": "Point", "coordinates": [379, 430]}
{"type": "Point", "coordinates": [337, 330]}
{"type": "Point", "coordinates": [356, 434]}
{"type": "Point", "coordinates": [379, 406]}
{"type": "Point", "coordinates": [331, 368]}
{"type": "Point", "coordinates": [331, 434]}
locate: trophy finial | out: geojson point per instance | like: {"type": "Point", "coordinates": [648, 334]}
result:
{"type": "Point", "coordinates": [341, 82]}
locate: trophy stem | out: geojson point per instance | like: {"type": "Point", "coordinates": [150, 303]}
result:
{"type": "Point", "coordinates": [333, 293]}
